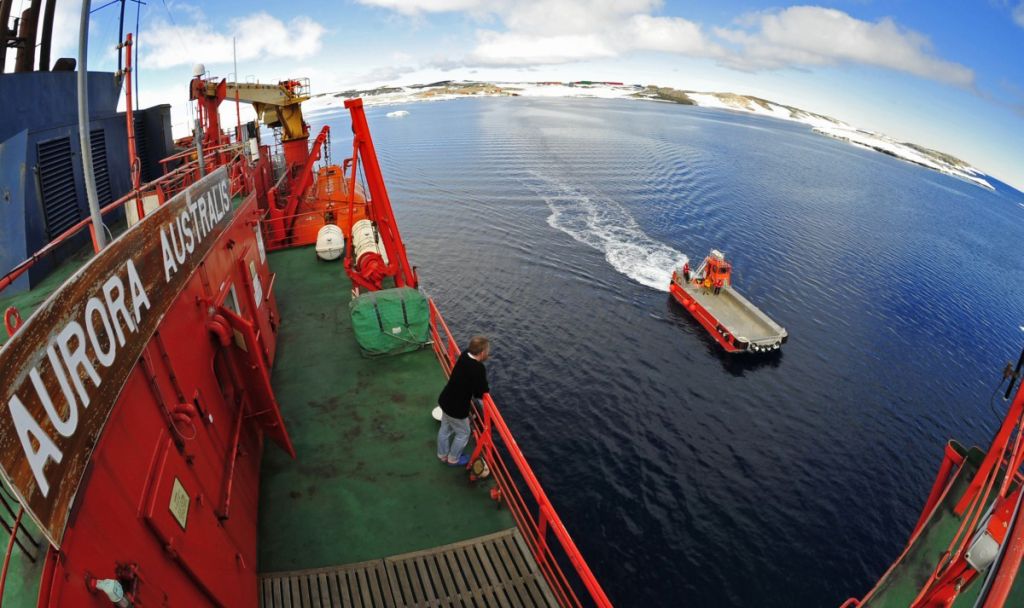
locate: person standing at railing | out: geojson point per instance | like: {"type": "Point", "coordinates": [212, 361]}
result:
{"type": "Point", "coordinates": [468, 380]}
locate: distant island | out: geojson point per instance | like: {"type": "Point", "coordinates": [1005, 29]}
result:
{"type": "Point", "coordinates": [819, 123]}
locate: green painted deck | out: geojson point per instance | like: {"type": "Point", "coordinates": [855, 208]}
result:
{"type": "Point", "coordinates": [22, 586]}
{"type": "Point", "coordinates": [366, 483]}
{"type": "Point", "coordinates": [27, 301]}
{"type": "Point", "coordinates": [901, 586]}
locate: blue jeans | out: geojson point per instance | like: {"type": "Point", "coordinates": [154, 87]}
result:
{"type": "Point", "coordinates": [447, 448]}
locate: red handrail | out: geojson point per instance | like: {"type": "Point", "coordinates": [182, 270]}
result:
{"type": "Point", "coordinates": [534, 529]}
{"type": "Point", "coordinates": [10, 549]}
{"type": "Point", "coordinates": [1006, 575]}
{"type": "Point", "coordinates": [987, 493]}
{"type": "Point", "coordinates": [165, 184]}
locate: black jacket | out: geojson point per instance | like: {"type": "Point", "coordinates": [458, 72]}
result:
{"type": "Point", "coordinates": [468, 379]}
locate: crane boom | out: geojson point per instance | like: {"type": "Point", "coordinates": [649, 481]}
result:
{"type": "Point", "coordinates": [276, 105]}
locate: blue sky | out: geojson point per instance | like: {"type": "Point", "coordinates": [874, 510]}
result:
{"type": "Point", "coordinates": [947, 74]}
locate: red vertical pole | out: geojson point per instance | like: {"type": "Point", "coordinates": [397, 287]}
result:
{"type": "Point", "coordinates": [229, 481]}
{"type": "Point", "coordinates": [386, 223]}
{"type": "Point", "coordinates": [1006, 576]}
{"type": "Point", "coordinates": [10, 549]}
{"type": "Point", "coordinates": [352, 199]}
{"type": "Point", "coordinates": [95, 241]}
{"type": "Point", "coordinates": [1012, 464]}
{"type": "Point", "coordinates": [995, 452]}
{"type": "Point", "coordinates": [485, 442]}
{"type": "Point", "coordinates": [133, 157]}
{"type": "Point", "coordinates": [938, 487]}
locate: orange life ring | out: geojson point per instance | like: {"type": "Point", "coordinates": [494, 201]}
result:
{"type": "Point", "coordinates": [12, 320]}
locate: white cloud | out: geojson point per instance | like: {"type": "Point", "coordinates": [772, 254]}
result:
{"type": "Point", "coordinates": [545, 32]}
{"type": "Point", "coordinates": [259, 35]}
{"type": "Point", "coordinates": [609, 38]}
{"type": "Point", "coordinates": [808, 36]}
{"type": "Point", "coordinates": [383, 74]}
{"type": "Point", "coordinates": [540, 32]}
{"type": "Point", "coordinates": [416, 7]}
{"type": "Point", "coordinates": [559, 17]}
{"type": "Point", "coordinates": [669, 34]}
{"type": "Point", "coordinates": [513, 48]}
{"type": "Point", "coordinates": [1018, 14]}
{"type": "Point", "coordinates": [66, 17]}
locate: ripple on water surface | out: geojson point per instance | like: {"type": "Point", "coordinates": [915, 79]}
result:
{"type": "Point", "coordinates": [686, 476]}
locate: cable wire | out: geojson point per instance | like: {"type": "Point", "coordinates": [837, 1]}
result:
{"type": "Point", "coordinates": [177, 31]}
{"type": "Point", "coordinates": [100, 8]}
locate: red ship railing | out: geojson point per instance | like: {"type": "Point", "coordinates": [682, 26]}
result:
{"type": "Point", "coordinates": [10, 549]}
{"type": "Point", "coordinates": [537, 519]}
{"type": "Point", "coordinates": [992, 500]}
{"type": "Point", "coordinates": [163, 188]}
{"type": "Point", "coordinates": [19, 538]}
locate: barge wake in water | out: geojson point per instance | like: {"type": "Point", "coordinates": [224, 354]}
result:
{"type": "Point", "coordinates": [605, 225]}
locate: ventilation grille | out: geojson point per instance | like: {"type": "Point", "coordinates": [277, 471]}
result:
{"type": "Point", "coordinates": [98, 143]}
{"type": "Point", "coordinates": [142, 149]}
{"type": "Point", "coordinates": [57, 183]}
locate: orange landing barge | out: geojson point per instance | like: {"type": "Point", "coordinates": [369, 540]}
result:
{"type": "Point", "coordinates": [732, 320]}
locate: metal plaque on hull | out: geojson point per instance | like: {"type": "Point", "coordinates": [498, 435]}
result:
{"type": "Point", "coordinates": [63, 370]}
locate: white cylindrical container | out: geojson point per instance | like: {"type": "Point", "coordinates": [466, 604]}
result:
{"type": "Point", "coordinates": [330, 242]}
{"type": "Point", "coordinates": [364, 241]}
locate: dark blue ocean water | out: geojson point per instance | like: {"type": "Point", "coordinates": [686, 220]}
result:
{"type": "Point", "coordinates": [688, 477]}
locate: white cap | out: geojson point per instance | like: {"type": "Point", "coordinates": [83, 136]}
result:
{"type": "Point", "coordinates": [198, 69]}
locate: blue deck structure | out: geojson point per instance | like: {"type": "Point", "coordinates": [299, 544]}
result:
{"type": "Point", "coordinates": [42, 189]}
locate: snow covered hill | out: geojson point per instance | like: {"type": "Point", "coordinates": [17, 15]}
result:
{"type": "Point", "coordinates": [824, 125]}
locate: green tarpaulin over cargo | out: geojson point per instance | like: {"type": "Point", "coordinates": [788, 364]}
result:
{"type": "Point", "coordinates": [390, 321]}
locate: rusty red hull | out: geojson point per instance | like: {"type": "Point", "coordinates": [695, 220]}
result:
{"type": "Point", "coordinates": [126, 514]}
